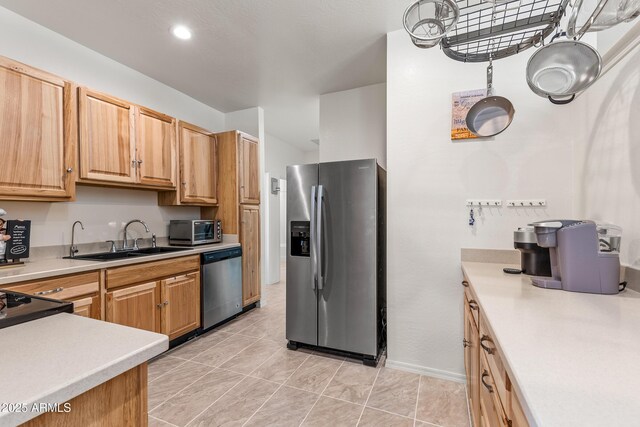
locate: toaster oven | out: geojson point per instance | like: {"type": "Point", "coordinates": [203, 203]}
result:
{"type": "Point", "coordinates": [194, 232]}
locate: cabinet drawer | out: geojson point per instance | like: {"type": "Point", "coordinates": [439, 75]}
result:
{"type": "Point", "coordinates": [516, 414]}
{"type": "Point", "coordinates": [489, 350]}
{"type": "Point", "coordinates": [132, 274]}
{"type": "Point", "coordinates": [492, 413]}
{"type": "Point", "coordinates": [61, 288]}
{"type": "Point", "coordinates": [473, 303]}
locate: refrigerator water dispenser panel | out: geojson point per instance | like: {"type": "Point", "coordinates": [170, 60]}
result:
{"type": "Point", "coordinates": [300, 238]}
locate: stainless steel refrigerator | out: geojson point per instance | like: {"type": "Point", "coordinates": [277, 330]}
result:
{"type": "Point", "coordinates": [336, 255]}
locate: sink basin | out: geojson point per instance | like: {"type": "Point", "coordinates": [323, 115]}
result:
{"type": "Point", "coordinates": [110, 256]}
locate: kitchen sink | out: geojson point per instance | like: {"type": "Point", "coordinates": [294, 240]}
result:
{"type": "Point", "coordinates": [110, 256]}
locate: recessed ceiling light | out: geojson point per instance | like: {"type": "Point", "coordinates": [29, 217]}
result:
{"type": "Point", "coordinates": [181, 32]}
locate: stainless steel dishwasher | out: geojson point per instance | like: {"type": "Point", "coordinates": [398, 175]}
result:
{"type": "Point", "coordinates": [221, 285]}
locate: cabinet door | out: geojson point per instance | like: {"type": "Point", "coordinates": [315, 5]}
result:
{"type": "Point", "coordinates": [38, 133]}
{"type": "Point", "coordinates": [249, 170]}
{"type": "Point", "coordinates": [155, 148]}
{"type": "Point", "coordinates": [250, 241]}
{"type": "Point", "coordinates": [87, 307]}
{"type": "Point", "coordinates": [198, 165]}
{"type": "Point", "coordinates": [135, 306]}
{"type": "Point", "coordinates": [471, 363]}
{"type": "Point", "coordinates": [180, 304]}
{"type": "Point", "coordinates": [107, 138]}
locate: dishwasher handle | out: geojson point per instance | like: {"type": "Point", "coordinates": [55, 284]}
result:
{"type": "Point", "coordinates": [210, 257]}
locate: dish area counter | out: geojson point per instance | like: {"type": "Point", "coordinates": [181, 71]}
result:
{"type": "Point", "coordinates": [74, 371]}
{"type": "Point", "coordinates": [542, 357]}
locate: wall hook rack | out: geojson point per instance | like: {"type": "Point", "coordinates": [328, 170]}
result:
{"type": "Point", "coordinates": [532, 203]}
{"type": "Point", "coordinates": [495, 203]}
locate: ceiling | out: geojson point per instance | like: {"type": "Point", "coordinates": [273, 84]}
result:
{"type": "Point", "coordinates": [277, 54]}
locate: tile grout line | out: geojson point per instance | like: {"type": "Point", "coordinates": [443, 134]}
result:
{"type": "Point", "coordinates": [269, 398]}
{"type": "Point", "coordinates": [163, 421]}
{"type": "Point", "coordinates": [368, 396]}
{"type": "Point", "coordinates": [321, 393]}
{"type": "Point", "coordinates": [199, 378]}
{"type": "Point", "coordinates": [173, 395]}
{"type": "Point", "coordinates": [188, 360]}
{"type": "Point", "coordinates": [415, 412]}
{"type": "Point", "coordinates": [223, 394]}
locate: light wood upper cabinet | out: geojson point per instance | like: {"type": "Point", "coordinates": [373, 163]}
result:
{"type": "Point", "coordinates": [38, 131]}
{"type": "Point", "coordinates": [156, 148]}
{"type": "Point", "coordinates": [125, 144]}
{"type": "Point", "coordinates": [198, 165]}
{"type": "Point", "coordinates": [107, 138]}
{"type": "Point", "coordinates": [250, 241]}
{"type": "Point", "coordinates": [136, 306]}
{"type": "Point", "coordinates": [180, 299]}
{"type": "Point", "coordinates": [249, 170]}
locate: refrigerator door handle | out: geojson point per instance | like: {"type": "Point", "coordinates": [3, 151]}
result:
{"type": "Point", "coordinates": [320, 279]}
{"type": "Point", "coordinates": [312, 240]}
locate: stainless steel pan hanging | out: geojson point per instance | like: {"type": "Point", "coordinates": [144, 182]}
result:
{"type": "Point", "coordinates": [490, 115]}
{"type": "Point", "coordinates": [563, 69]}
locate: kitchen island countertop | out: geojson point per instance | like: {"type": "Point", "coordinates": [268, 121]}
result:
{"type": "Point", "coordinates": [56, 358]}
{"type": "Point", "coordinates": [573, 357]}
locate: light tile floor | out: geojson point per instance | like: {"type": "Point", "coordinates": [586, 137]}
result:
{"type": "Point", "coordinates": [243, 374]}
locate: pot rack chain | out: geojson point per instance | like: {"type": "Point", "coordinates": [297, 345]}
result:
{"type": "Point", "coordinates": [488, 30]}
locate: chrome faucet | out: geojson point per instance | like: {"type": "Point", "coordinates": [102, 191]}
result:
{"type": "Point", "coordinates": [135, 242]}
{"type": "Point", "coordinates": [73, 250]}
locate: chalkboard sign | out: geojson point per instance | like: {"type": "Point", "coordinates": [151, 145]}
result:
{"type": "Point", "coordinates": [18, 245]}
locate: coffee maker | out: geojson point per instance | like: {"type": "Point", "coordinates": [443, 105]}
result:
{"type": "Point", "coordinates": [534, 260]}
{"type": "Point", "coordinates": [578, 263]}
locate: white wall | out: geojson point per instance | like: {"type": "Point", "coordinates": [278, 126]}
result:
{"type": "Point", "coordinates": [312, 156]}
{"type": "Point", "coordinates": [607, 157]}
{"type": "Point", "coordinates": [353, 124]}
{"type": "Point", "coordinates": [430, 177]}
{"type": "Point", "coordinates": [279, 154]}
{"type": "Point", "coordinates": [102, 210]}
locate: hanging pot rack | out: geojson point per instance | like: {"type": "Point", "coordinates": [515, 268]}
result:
{"type": "Point", "coordinates": [497, 29]}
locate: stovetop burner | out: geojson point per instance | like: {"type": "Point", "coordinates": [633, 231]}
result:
{"type": "Point", "coordinates": [16, 308]}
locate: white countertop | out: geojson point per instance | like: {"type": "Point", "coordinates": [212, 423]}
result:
{"type": "Point", "coordinates": [57, 358]}
{"type": "Point", "coordinates": [49, 267]}
{"type": "Point", "coordinates": [574, 358]}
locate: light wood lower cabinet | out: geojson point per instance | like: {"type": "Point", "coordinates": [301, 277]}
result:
{"type": "Point", "coordinates": [167, 301]}
{"type": "Point", "coordinates": [88, 307]}
{"type": "Point", "coordinates": [180, 304]}
{"type": "Point", "coordinates": [82, 289]}
{"type": "Point", "coordinates": [492, 400]}
{"type": "Point", "coordinates": [136, 306]}
{"type": "Point", "coordinates": [250, 241]}
{"type": "Point", "coordinates": [471, 361]}
{"type": "Point", "coordinates": [121, 401]}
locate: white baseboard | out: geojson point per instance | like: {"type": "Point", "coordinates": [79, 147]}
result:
{"type": "Point", "coordinates": [429, 372]}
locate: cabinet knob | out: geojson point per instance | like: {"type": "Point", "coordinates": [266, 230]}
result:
{"type": "Point", "coordinates": [139, 162]}
{"type": "Point", "coordinates": [465, 283]}
{"type": "Point", "coordinates": [160, 305]}
{"type": "Point", "coordinates": [69, 170]}
{"type": "Point", "coordinates": [473, 305]}
{"type": "Point", "coordinates": [165, 303]}
{"type": "Point", "coordinates": [466, 343]}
